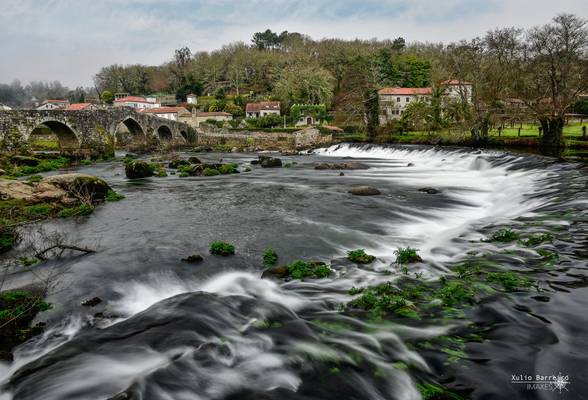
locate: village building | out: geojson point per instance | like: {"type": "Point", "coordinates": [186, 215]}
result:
{"type": "Point", "coordinates": [171, 113]}
{"type": "Point", "coordinates": [261, 109]}
{"type": "Point", "coordinates": [135, 102]}
{"type": "Point", "coordinates": [195, 118]}
{"type": "Point", "coordinates": [80, 107]}
{"type": "Point", "coordinates": [162, 99]}
{"type": "Point", "coordinates": [458, 90]}
{"type": "Point", "coordinates": [393, 101]}
{"type": "Point", "coordinates": [308, 114]}
{"type": "Point", "coordinates": [53, 105]}
{"type": "Point", "coordinates": [192, 99]}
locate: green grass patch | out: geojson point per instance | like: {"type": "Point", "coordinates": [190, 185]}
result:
{"type": "Point", "coordinates": [42, 166]}
{"type": "Point", "coordinates": [209, 172]}
{"type": "Point", "coordinates": [222, 248]}
{"type": "Point", "coordinates": [111, 195]}
{"type": "Point", "coordinates": [407, 255]}
{"type": "Point", "coordinates": [226, 169]}
{"type": "Point", "coordinates": [81, 210]}
{"type": "Point", "coordinates": [270, 257]}
{"type": "Point", "coordinates": [360, 256]}
{"type": "Point", "coordinates": [39, 210]}
{"type": "Point", "coordinates": [301, 269]}
{"type": "Point", "coordinates": [34, 178]}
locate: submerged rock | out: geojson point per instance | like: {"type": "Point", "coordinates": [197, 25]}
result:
{"type": "Point", "coordinates": [94, 301]}
{"type": "Point", "coordinates": [346, 165]}
{"type": "Point", "coordinates": [139, 169]}
{"type": "Point", "coordinates": [270, 162]}
{"type": "Point", "coordinates": [278, 272]}
{"type": "Point", "coordinates": [429, 190]}
{"type": "Point", "coordinates": [364, 191]}
{"type": "Point", "coordinates": [193, 259]}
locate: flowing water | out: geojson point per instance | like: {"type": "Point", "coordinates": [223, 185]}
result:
{"type": "Point", "coordinates": [216, 330]}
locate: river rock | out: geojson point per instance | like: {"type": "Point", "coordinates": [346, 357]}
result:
{"type": "Point", "coordinates": [429, 190]}
{"type": "Point", "coordinates": [139, 169]}
{"type": "Point", "coordinates": [94, 301]}
{"type": "Point", "coordinates": [24, 160]}
{"type": "Point", "coordinates": [66, 189]}
{"type": "Point", "coordinates": [270, 162]}
{"type": "Point", "coordinates": [278, 272]}
{"type": "Point", "coordinates": [194, 160]}
{"type": "Point", "coordinates": [351, 165]}
{"type": "Point", "coordinates": [364, 191]}
{"type": "Point", "coordinates": [175, 164]}
{"type": "Point", "coordinates": [193, 259]}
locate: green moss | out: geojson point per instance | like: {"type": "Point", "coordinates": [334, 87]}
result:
{"type": "Point", "coordinates": [228, 169]}
{"type": "Point", "coordinates": [39, 210]}
{"type": "Point", "coordinates": [504, 235]}
{"type": "Point", "coordinates": [28, 261]}
{"type": "Point", "coordinates": [184, 175]}
{"type": "Point", "coordinates": [111, 195]}
{"type": "Point", "coordinates": [301, 269]}
{"type": "Point", "coordinates": [270, 257]}
{"type": "Point", "coordinates": [353, 291]}
{"type": "Point", "coordinates": [549, 257]}
{"type": "Point", "coordinates": [431, 391]}
{"type": "Point", "coordinates": [34, 178]}
{"type": "Point", "coordinates": [510, 281]}
{"type": "Point", "coordinates": [222, 248]}
{"type": "Point", "coordinates": [83, 209]}
{"type": "Point", "coordinates": [42, 166]}
{"type": "Point", "coordinates": [455, 292]}
{"type": "Point", "coordinates": [537, 239]}
{"type": "Point", "coordinates": [210, 172]}
{"type": "Point", "coordinates": [407, 255]}
{"type": "Point", "coordinates": [360, 256]}
{"type": "Point", "coordinates": [87, 162]}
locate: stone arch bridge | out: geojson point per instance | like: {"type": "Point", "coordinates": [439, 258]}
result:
{"type": "Point", "coordinates": [97, 131]}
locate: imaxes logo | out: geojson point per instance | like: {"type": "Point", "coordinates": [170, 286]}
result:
{"type": "Point", "coordinates": [542, 382]}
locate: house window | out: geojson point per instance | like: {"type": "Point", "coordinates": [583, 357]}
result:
{"type": "Point", "coordinates": [407, 99]}
{"type": "Point", "coordinates": [398, 99]}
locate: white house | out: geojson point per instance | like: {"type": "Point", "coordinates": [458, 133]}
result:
{"type": "Point", "coordinates": [261, 109]}
{"type": "Point", "coordinates": [170, 113]}
{"type": "Point", "coordinates": [458, 90]}
{"type": "Point", "coordinates": [53, 105]}
{"type": "Point", "coordinates": [135, 102]}
{"type": "Point", "coordinates": [194, 119]}
{"type": "Point", "coordinates": [192, 99]}
{"type": "Point", "coordinates": [393, 101]}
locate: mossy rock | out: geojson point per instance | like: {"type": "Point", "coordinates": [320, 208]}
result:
{"type": "Point", "coordinates": [24, 161]}
{"type": "Point", "coordinates": [139, 169]}
{"type": "Point", "coordinates": [175, 164]}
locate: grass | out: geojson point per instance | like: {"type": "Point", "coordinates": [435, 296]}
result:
{"type": "Point", "coordinates": [42, 166]}
{"type": "Point", "coordinates": [222, 248]}
{"type": "Point", "coordinates": [228, 169]}
{"type": "Point", "coordinates": [34, 179]}
{"type": "Point", "coordinates": [39, 210]}
{"type": "Point", "coordinates": [504, 235]}
{"type": "Point", "coordinates": [44, 144]}
{"type": "Point", "coordinates": [111, 195]}
{"type": "Point", "coordinates": [360, 256]}
{"type": "Point", "coordinates": [209, 172]}
{"type": "Point", "coordinates": [301, 269]}
{"type": "Point", "coordinates": [81, 210]}
{"type": "Point", "coordinates": [270, 257]}
{"type": "Point", "coordinates": [407, 255]}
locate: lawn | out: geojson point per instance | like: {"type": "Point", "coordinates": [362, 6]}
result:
{"type": "Point", "coordinates": [528, 130]}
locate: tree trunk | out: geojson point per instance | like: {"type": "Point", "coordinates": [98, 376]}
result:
{"type": "Point", "coordinates": [552, 128]}
{"type": "Point", "coordinates": [480, 132]}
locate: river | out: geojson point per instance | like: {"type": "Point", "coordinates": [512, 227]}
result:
{"type": "Point", "coordinates": [216, 330]}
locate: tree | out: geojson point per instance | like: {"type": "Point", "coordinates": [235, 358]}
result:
{"type": "Point", "coordinates": [311, 84]}
{"type": "Point", "coordinates": [553, 72]}
{"type": "Point", "coordinates": [107, 97]}
{"type": "Point", "coordinates": [399, 43]}
{"type": "Point", "coordinates": [372, 111]}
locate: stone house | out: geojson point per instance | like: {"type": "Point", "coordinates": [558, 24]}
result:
{"type": "Point", "coordinates": [261, 109]}
{"type": "Point", "coordinates": [171, 113]}
{"type": "Point", "coordinates": [195, 118]}
{"type": "Point", "coordinates": [458, 90]}
{"type": "Point", "coordinates": [136, 102]}
{"type": "Point", "coordinates": [393, 101]}
{"type": "Point", "coordinates": [53, 105]}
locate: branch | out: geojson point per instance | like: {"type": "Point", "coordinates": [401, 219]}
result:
{"type": "Point", "coordinates": [41, 255]}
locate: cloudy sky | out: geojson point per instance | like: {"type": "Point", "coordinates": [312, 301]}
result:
{"type": "Point", "coordinates": [69, 40]}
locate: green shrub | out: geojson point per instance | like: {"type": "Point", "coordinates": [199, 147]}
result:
{"type": "Point", "coordinates": [504, 235]}
{"type": "Point", "coordinates": [222, 248]}
{"type": "Point", "coordinates": [210, 172]}
{"type": "Point", "coordinates": [360, 256]}
{"type": "Point", "coordinates": [322, 271]}
{"type": "Point", "coordinates": [270, 257]}
{"type": "Point", "coordinates": [301, 269]}
{"type": "Point", "coordinates": [228, 169]}
{"type": "Point", "coordinates": [83, 209]}
{"type": "Point", "coordinates": [407, 255]}
{"type": "Point", "coordinates": [111, 195]}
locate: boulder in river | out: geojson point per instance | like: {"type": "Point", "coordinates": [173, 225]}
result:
{"type": "Point", "coordinates": [429, 190]}
{"type": "Point", "coordinates": [193, 259]}
{"type": "Point", "coordinates": [180, 162]}
{"type": "Point", "coordinates": [194, 160]}
{"type": "Point", "coordinates": [364, 191]}
{"type": "Point", "coordinates": [278, 272]}
{"type": "Point", "coordinates": [139, 169]}
{"type": "Point", "coordinates": [94, 301]}
{"type": "Point", "coordinates": [79, 185]}
{"type": "Point", "coordinates": [270, 162]}
{"type": "Point", "coordinates": [351, 165]}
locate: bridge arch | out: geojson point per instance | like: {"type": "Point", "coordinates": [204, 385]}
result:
{"type": "Point", "coordinates": [165, 133]}
{"type": "Point", "coordinates": [66, 136]}
{"type": "Point", "coordinates": [129, 131]}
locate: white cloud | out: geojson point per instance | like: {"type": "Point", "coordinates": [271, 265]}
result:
{"type": "Point", "coordinates": [70, 40]}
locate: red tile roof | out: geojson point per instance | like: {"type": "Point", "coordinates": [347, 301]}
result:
{"type": "Point", "coordinates": [405, 91]}
{"type": "Point", "coordinates": [263, 106]}
{"type": "Point", "coordinates": [213, 114]}
{"type": "Point", "coordinates": [77, 106]}
{"type": "Point", "coordinates": [454, 82]}
{"type": "Point", "coordinates": [166, 110]}
{"type": "Point", "coordinates": [131, 99]}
